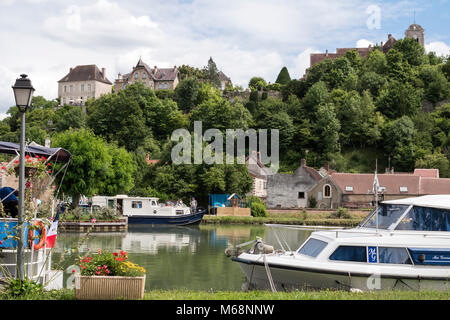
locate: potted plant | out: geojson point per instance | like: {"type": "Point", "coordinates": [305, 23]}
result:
{"type": "Point", "coordinates": [109, 275]}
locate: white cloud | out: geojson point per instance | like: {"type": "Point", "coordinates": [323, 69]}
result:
{"type": "Point", "coordinates": [102, 24]}
{"type": "Point", "coordinates": [440, 48]}
{"type": "Point", "coordinates": [363, 43]}
{"type": "Point", "coordinates": [302, 62]}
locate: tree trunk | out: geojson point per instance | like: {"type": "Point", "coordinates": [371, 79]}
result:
{"type": "Point", "coordinates": [76, 200]}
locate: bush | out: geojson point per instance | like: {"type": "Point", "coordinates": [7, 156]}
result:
{"type": "Point", "coordinates": [258, 209]}
{"type": "Point", "coordinates": [312, 202]}
{"type": "Point", "coordinates": [341, 213]}
{"type": "Point", "coordinates": [23, 288]}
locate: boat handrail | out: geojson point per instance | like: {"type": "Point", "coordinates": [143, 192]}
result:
{"type": "Point", "coordinates": [427, 234]}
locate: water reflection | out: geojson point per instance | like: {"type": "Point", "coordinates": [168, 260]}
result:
{"type": "Point", "coordinates": [179, 257]}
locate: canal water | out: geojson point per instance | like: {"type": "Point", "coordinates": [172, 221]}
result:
{"type": "Point", "coordinates": [190, 257]}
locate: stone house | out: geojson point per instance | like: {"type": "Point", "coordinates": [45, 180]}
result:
{"type": "Point", "coordinates": [154, 78]}
{"type": "Point", "coordinates": [83, 83]}
{"type": "Point", "coordinates": [259, 173]}
{"type": "Point", "coordinates": [224, 80]}
{"type": "Point", "coordinates": [291, 191]}
{"type": "Point", "coordinates": [355, 190]}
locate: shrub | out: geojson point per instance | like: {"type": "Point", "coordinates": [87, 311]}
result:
{"type": "Point", "coordinates": [312, 202]}
{"type": "Point", "coordinates": [23, 288]}
{"type": "Point", "coordinates": [258, 209]}
{"type": "Point", "coordinates": [340, 213]}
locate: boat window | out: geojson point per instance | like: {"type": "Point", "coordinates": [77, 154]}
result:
{"type": "Point", "coordinates": [312, 247]}
{"type": "Point", "coordinates": [350, 253]}
{"type": "Point", "coordinates": [136, 204]}
{"type": "Point", "coordinates": [425, 219]}
{"type": "Point", "coordinates": [393, 255]}
{"type": "Point", "coordinates": [388, 214]}
{"type": "Point", "coordinates": [153, 203]}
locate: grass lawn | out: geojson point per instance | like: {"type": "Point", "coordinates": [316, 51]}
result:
{"type": "Point", "coordinates": [67, 294]}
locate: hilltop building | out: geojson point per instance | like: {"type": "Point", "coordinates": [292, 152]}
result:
{"type": "Point", "coordinates": [414, 31]}
{"type": "Point", "coordinates": [82, 83]}
{"type": "Point", "coordinates": [154, 78]}
{"type": "Point", "coordinates": [259, 173]}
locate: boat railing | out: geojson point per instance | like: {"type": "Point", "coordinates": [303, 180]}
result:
{"type": "Point", "coordinates": [376, 232]}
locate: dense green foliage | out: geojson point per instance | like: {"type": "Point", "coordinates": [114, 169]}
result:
{"type": "Point", "coordinates": [283, 76]}
{"type": "Point", "coordinates": [348, 111]}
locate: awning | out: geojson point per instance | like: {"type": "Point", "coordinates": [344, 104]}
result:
{"type": "Point", "coordinates": [56, 154]}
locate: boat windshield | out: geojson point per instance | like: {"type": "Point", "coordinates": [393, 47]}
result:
{"type": "Point", "coordinates": [312, 247]}
{"type": "Point", "coordinates": [425, 219]}
{"type": "Point", "coordinates": [388, 215]}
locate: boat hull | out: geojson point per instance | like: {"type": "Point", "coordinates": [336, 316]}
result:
{"type": "Point", "coordinates": [180, 220]}
{"type": "Point", "coordinates": [288, 279]}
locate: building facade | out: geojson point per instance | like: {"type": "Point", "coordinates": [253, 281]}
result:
{"type": "Point", "coordinates": [291, 191]}
{"type": "Point", "coordinates": [154, 78]}
{"type": "Point", "coordinates": [259, 173]}
{"type": "Point", "coordinates": [83, 83]}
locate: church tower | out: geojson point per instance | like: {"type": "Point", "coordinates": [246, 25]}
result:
{"type": "Point", "coordinates": [417, 33]}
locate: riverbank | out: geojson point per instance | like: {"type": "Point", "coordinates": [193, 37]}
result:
{"type": "Point", "coordinates": [68, 294]}
{"type": "Point", "coordinates": [293, 218]}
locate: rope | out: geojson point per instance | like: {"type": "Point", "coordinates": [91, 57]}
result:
{"type": "Point", "coordinates": [269, 275]}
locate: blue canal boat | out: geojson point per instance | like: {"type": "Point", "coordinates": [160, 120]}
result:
{"type": "Point", "coordinates": [147, 210]}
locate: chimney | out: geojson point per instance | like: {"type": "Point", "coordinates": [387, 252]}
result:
{"type": "Point", "coordinates": [155, 70]}
{"type": "Point", "coordinates": [258, 156]}
{"type": "Point", "coordinates": [71, 69]}
{"type": "Point", "coordinates": [389, 36]}
{"type": "Point", "coordinates": [303, 162]}
{"type": "Point", "coordinates": [119, 76]}
{"type": "Point", "coordinates": [381, 45]}
{"type": "Point", "coordinates": [174, 68]}
{"type": "Point", "coordinates": [104, 73]}
{"type": "Point", "coordinates": [326, 53]}
{"type": "Point", "coordinates": [326, 166]}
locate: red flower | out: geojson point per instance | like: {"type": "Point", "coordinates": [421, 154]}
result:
{"type": "Point", "coordinates": [4, 168]}
{"type": "Point", "coordinates": [73, 271]}
{"type": "Point", "coordinates": [115, 254]}
{"type": "Point", "coordinates": [27, 156]}
{"type": "Point", "coordinates": [49, 171]}
{"type": "Point", "coordinates": [49, 164]}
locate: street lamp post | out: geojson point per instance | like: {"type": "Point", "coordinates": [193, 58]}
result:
{"type": "Point", "coordinates": [23, 92]}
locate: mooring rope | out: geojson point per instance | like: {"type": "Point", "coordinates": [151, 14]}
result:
{"type": "Point", "coordinates": [269, 275]}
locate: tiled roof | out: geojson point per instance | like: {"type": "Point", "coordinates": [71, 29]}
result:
{"type": "Point", "coordinates": [395, 184]}
{"type": "Point", "coordinates": [84, 73]}
{"type": "Point", "coordinates": [427, 173]}
{"type": "Point", "coordinates": [161, 74]}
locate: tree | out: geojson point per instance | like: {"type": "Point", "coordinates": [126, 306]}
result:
{"type": "Point", "coordinates": [212, 73]}
{"type": "Point", "coordinates": [326, 130]}
{"type": "Point", "coordinates": [283, 76]}
{"type": "Point", "coordinates": [257, 83]}
{"type": "Point", "coordinates": [412, 51]}
{"type": "Point", "coordinates": [375, 62]}
{"type": "Point", "coordinates": [316, 95]}
{"type": "Point", "coordinates": [119, 176]}
{"type": "Point", "coordinates": [186, 94]}
{"type": "Point", "coordinates": [87, 171]}
{"type": "Point", "coordinates": [397, 99]}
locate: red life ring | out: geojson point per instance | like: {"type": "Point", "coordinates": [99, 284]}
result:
{"type": "Point", "coordinates": [42, 238]}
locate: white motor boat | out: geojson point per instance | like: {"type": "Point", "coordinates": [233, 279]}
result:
{"type": "Point", "coordinates": [403, 244]}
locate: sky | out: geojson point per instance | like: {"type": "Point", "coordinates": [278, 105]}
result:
{"type": "Point", "coordinates": [246, 38]}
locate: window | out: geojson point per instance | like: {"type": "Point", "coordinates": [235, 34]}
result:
{"type": "Point", "coordinates": [165, 86]}
{"type": "Point", "coordinates": [393, 255]}
{"type": "Point", "coordinates": [82, 88]}
{"type": "Point", "coordinates": [89, 88]}
{"type": "Point", "coordinates": [160, 86]}
{"type": "Point", "coordinates": [388, 214]}
{"type": "Point", "coordinates": [136, 204]}
{"type": "Point", "coordinates": [153, 203]}
{"type": "Point", "coordinates": [70, 88]}
{"type": "Point", "coordinates": [349, 188]}
{"type": "Point", "coordinates": [403, 189]}
{"type": "Point", "coordinates": [144, 76]}
{"type": "Point", "coordinates": [349, 253]}
{"type": "Point", "coordinates": [301, 195]}
{"type": "Point", "coordinates": [425, 219]}
{"type": "Point", "coordinates": [136, 75]}
{"type": "Point", "coordinates": [312, 247]}
{"type": "Point", "coordinates": [64, 100]}
{"type": "Point", "coordinates": [65, 88]}
{"type": "Point", "coordinates": [327, 191]}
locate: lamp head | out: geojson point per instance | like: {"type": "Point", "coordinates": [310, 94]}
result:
{"type": "Point", "coordinates": [23, 92]}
